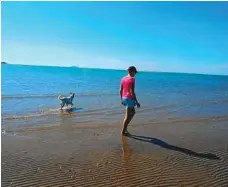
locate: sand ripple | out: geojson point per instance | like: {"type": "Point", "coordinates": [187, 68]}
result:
{"type": "Point", "coordinates": [32, 162]}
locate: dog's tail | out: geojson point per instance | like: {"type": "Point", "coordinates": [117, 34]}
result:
{"type": "Point", "coordinates": [59, 97]}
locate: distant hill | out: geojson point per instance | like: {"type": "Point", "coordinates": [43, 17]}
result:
{"type": "Point", "coordinates": [4, 63]}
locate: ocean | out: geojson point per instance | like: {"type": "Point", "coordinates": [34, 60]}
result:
{"type": "Point", "coordinates": [30, 97]}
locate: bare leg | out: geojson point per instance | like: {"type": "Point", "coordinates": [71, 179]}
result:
{"type": "Point", "coordinates": [130, 112]}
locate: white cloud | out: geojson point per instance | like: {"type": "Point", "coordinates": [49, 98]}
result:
{"type": "Point", "coordinates": [21, 53]}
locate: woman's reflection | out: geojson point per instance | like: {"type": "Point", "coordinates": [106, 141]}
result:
{"type": "Point", "coordinates": [127, 151]}
{"type": "Point", "coordinates": [127, 167]}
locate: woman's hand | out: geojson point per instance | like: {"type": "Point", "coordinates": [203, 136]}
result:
{"type": "Point", "coordinates": [121, 102]}
{"type": "Point", "coordinates": [138, 104]}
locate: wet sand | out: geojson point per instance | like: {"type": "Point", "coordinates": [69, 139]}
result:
{"type": "Point", "coordinates": [171, 153]}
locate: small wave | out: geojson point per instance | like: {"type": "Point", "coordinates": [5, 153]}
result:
{"type": "Point", "coordinates": [53, 111]}
{"type": "Point", "coordinates": [57, 111]}
{"type": "Point", "coordinates": [27, 116]}
{"type": "Point", "coordinates": [55, 95]}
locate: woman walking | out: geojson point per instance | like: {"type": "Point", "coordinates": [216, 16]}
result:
{"type": "Point", "coordinates": [128, 97]}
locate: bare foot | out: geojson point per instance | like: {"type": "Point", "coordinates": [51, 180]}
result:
{"type": "Point", "coordinates": [125, 133]}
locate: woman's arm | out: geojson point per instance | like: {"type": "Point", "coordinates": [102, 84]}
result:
{"type": "Point", "coordinates": [121, 92]}
{"type": "Point", "coordinates": [134, 95]}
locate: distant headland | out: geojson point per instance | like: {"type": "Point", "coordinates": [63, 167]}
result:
{"type": "Point", "coordinates": [74, 66]}
{"type": "Point", "coordinates": [3, 63]}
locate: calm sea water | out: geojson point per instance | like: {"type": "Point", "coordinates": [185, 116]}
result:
{"type": "Point", "coordinates": [29, 96]}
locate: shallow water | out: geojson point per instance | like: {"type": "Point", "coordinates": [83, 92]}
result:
{"type": "Point", "coordinates": [29, 96]}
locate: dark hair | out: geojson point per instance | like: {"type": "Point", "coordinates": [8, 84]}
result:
{"type": "Point", "coordinates": [132, 69]}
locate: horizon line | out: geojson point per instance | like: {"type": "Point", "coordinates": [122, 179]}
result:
{"type": "Point", "coordinates": [143, 71]}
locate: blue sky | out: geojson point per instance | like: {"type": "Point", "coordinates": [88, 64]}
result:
{"type": "Point", "coordinates": [156, 36]}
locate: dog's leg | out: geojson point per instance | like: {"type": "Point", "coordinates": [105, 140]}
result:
{"type": "Point", "coordinates": [62, 105]}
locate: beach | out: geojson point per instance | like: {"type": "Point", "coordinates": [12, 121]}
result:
{"type": "Point", "coordinates": [175, 154]}
{"type": "Point", "coordinates": [178, 136]}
